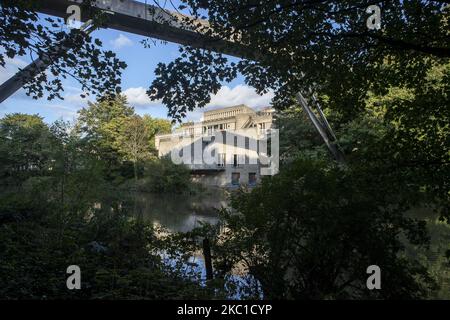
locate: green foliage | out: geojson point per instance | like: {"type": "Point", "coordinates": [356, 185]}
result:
{"type": "Point", "coordinates": [434, 257]}
{"type": "Point", "coordinates": [156, 126]}
{"type": "Point", "coordinates": [134, 141]}
{"type": "Point", "coordinates": [119, 136]}
{"type": "Point", "coordinates": [297, 135]}
{"type": "Point", "coordinates": [311, 232]}
{"type": "Point", "coordinates": [118, 257]}
{"type": "Point", "coordinates": [404, 135]}
{"type": "Point", "coordinates": [57, 208]}
{"type": "Point", "coordinates": [418, 139]}
{"type": "Point", "coordinates": [26, 145]}
{"type": "Point", "coordinates": [40, 165]}
{"type": "Point", "coordinates": [163, 176]}
{"type": "Point", "coordinates": [103, 123]}
{"type": "Point", "coordinates": [182, 93]}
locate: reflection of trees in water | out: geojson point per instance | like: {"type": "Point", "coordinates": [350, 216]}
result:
{"type": "Point", "coordinates": [179, 212]}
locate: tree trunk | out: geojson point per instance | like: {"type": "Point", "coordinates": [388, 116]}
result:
{"type": "Point", "coordinates": [135, 170]}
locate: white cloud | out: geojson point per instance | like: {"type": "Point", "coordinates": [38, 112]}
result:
{"type": "Point", "coordinates": [240, 94]}
{"type": "Point", "coordinates": [138, 97]}
{"type": "Point", "coordinates": [76, 99]}
{"type": "Point", "coordinates": [227, 97]}
{"type": "Point", "coordinates": [121, 41]}
{"type": "Point", "coordinates": [60, 111]}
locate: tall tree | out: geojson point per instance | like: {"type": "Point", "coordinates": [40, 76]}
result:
{"type": "Point", "coordinates": [103, 122]}
{"type": "Point", "coordinates": [117, 134]}
{"type": "Point", "coordinates": [134, 141]}
{"type": "Point", "coordinates": [26, 145]}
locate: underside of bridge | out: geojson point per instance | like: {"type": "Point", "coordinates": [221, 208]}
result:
{"type": "Point", "coordinates": [147, 20]}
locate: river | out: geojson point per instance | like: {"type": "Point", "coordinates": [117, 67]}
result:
{"type": "Point", "coordinates": [179, 212]}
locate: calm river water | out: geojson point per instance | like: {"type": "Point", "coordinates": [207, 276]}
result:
{"type": "Point", "coordinates": [180, 212]}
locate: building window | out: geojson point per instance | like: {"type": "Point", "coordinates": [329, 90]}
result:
{"type": "Point", "coordinates": [235, 176]}
{"type": "Point", "coordinates": [252, 178]}
{"type": "Point", "coordinates": [221, 159]}
{"type": "Point", "coordinates": [235, 160]}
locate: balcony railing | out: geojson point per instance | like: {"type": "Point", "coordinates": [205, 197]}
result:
{"type": "Point", "coordinates": [201, 167]}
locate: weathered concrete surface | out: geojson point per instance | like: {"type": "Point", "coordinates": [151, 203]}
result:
{"type": "Point", "coordinates": [148, 20]}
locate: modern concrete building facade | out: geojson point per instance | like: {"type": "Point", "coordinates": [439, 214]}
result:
{"type": "Point", "coordinates": [222, 149]}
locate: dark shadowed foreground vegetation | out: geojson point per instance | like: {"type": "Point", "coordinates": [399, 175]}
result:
{"type": "Point", "coordinates": [312, 230]}
{"type": "Point", "coordinates": [60, 205]}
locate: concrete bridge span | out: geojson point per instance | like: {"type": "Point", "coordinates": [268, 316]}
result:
{"type": "Point", "coordinates": [149, 21]}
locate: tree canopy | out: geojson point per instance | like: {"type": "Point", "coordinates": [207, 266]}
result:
{"type": "Point", "coordinates": [324, 46]}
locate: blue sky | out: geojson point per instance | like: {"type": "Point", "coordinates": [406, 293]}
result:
{"type": "Point", "coordinates": [135, 81]}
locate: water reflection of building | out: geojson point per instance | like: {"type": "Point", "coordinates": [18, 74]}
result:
{"type": "Point", "coordinates": [231, 135]}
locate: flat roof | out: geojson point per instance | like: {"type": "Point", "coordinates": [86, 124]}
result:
{"type": "Point", "coordinates": [239, 106]}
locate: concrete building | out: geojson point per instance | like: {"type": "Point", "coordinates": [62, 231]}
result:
{"type": "Point", "coordinates": [224, 148]}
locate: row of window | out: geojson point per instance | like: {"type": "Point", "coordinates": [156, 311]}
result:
{"type": "Point", "coordinates": [214, 128]}
{"type": "Point", "coordinates": [237, 160]}
{"type": "Point", "coordinates": [236, 177]}
{"type": "Point", "coordinates": [224, 126]}
{"type": "Point", "coordinates": [261, 126]}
